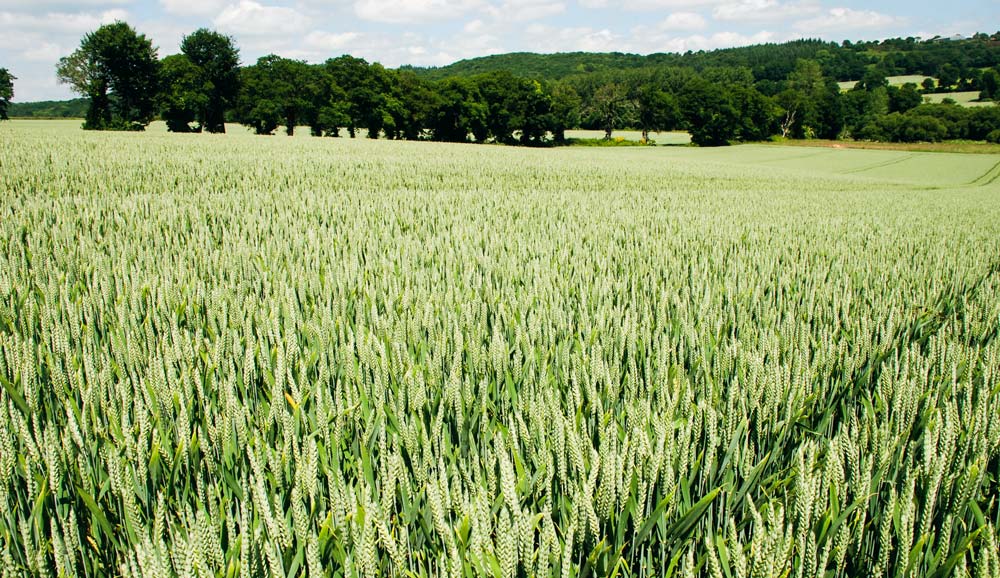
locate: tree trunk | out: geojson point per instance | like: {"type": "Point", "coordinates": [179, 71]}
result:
{"type": "Point", "coordinates": [787, 123]}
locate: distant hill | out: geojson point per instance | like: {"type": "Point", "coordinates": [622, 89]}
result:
{"type": "Point", "coordinates": [547, 66]}
{"type": "Point", "coordinates": [846, 61]}
{"type": "Point", "coordinates": [767, 61]}
{"type": "Point", "coordinates": [75, 108]}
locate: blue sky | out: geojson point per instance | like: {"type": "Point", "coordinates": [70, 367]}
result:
{"type": "Point", "coordinates": [35, 33]}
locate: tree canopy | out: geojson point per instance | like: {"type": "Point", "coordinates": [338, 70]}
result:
{"type": "Point", "coordinates": [217, 63]}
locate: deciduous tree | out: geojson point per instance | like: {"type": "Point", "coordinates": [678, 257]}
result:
{"type": "Point", "coordinates": [117, 69]}
{"type": "Point", "coordinates": [6, 91]}
{"type": "Point", "coordinates": [183, 95]}
{"type": "Point", "coordinates": [218, 61]}
{"type": "Point", "coordinates": [274, 91]}
{"type": "Point", "coordinates": [612, 106]}
{"type": "Point", "coordinates": [656, 110]}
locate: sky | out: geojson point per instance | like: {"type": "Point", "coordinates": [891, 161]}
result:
{"type": "Point", "coordinates": [34, 34]}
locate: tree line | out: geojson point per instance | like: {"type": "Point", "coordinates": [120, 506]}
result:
{"type": "Point", "coordinates": [199, 89]}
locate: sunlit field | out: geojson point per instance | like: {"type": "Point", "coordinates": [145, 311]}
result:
{"type": "Point", "coordinates": [227, 355]}
{"type": "Point", "coordinates": [962, 98]}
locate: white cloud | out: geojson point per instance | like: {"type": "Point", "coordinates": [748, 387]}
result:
{"type": "Point", "coordinates": [330, 41]}
{"type": "Point", "coordinates": [651, 42]}
{"type": "Point", "coordinates": [525, 10]}
{"type": "Point", "coordinates": [192, 7]}
{"type": "Point", "coordinates": [254, 19]}
{"type": "Point", "coordinates": [846, 20]}
{"type": "Point", "coordinates": [413, 11]}
{"type": "Point", "coordinates": [649, 5]}
{"type": "Point", "coordinates": [165, 33]}
{"type": "Point", "coordinates": [60, 5]}
{"type": "Point", "coordinates": [46, 52]}
{"type": "Point", "coordinates": [764, 10]}
{"type": "Point", "coordinates": [683, 21]}
{"type": "Point", "coordinates": [549, 39]}
{"type": "Point", "coordinates": [58, 22]}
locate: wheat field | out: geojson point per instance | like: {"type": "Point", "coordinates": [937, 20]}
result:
{"type": "Point", "coordinates": [233, 356]}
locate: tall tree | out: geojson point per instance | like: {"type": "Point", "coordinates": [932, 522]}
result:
{"type": "Point", "coordinates": [830, 116]}
{"type": "Point", "coordinates": [6, 91]}
{"type": "Point", "coordinates": [460, 110]}
{"type": "Point", "coordinates": [903, 98]}
{"type": "Point", "coordinates": [948, 75]}
{"type": "Point", "coordinates": [117, 69]}
{"type": "Point", "coordinates": [758, 115]}
{"type": "Point", "coordinates": [612, 106]}
{"type": "Point", "coordinates": [328, 107]}
{"type": "Point", "coordinates": [417, 101]}
{"type": "Point", "coordinates": [800, 100]}
{"type": "Point", "coordinates": [990, 85]}
{"type": "Point", "coordinates": [499, 91]}
{"type": "Point", "coordinates": [534, 106]}
{"type": "Point", "coordinates": [708, 113]}
{"type": "Point", "coordinates": [657, 110]}
{"type": "Point", "coordinates": [565, 112]}
{"type": "Point", "coordinates": [218, 60]}
{"type": "Point", "coordinates": [365, 85]}
{"type": "Point", "coordinates": [183, 95]}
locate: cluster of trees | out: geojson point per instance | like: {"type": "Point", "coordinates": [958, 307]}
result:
{"type": "Point", "coordinates": [197, 90]}
{"type": "Point", "coordinates": [126, 85]}
{"type": "Point", "coordinates": [6, 91]}
{"type": "Point", "coordinates": [935, 122]}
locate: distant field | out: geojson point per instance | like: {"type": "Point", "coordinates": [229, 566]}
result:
{"type": "Point", "coordinates": [893, 81]}
{"type": "Point", "coordinates": [660, 138]}
{"type": "Point", "coordinates": [962, 98]}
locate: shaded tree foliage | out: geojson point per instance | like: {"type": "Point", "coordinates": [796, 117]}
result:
{"type": "Point", "coordinates": [275, 92]}
{"type": "Point", "coordinates": [182, 93]}
{"type": "Point", "coordinates": [217, 61]}
{"type": "Point", "coordinates": [708, 114]}
{"type": "Point", "coordinates": [612, 107]}
{"type": "Point", "coordinates": [460, 111]}
{"type": "Point", "coordinates": [990, 85]}
{"type": "Point", "coordinates": [6, 91]}
{"type": "Point", "coordinates": [903, 98]}
{"type": "Point", "coordinates": [657, 110]}
{"type": "Point", "coordinates": [565, 111]}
